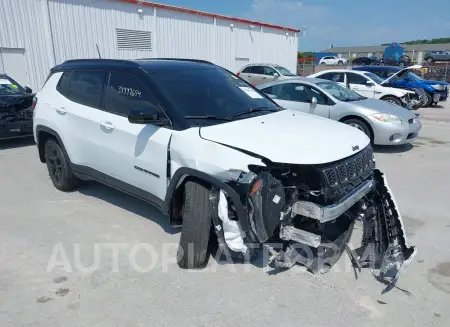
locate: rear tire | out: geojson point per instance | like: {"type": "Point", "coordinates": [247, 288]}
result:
{"type": "Point", "coordinates": [392, 100]}
{"type": "Point", "coordinates": [361, 125]}
{"type": "Point", "coordinates": [58, 167]}
{"type": "Point", "coordinates": [195, 231]}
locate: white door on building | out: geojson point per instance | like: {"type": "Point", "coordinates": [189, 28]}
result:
{"type": "Point", "coordinates": [14, 65]}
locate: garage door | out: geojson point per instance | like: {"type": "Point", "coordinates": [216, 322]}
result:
{"type": "Point", "coordinates": [13, 63]}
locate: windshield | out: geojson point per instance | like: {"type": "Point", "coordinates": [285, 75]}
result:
{"type": "Point", "coordinates": [374, 77]}
{"type": "Point", "coordinates": [284, 71]}
{"type": "Point", "coordinates": [339, 92]}
{"type": "Point", "coordinates": [211, 92]}
{"type": "Point", "coordinates": [9, 87]}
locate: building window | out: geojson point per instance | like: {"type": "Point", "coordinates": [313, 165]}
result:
{"type": "Point", "coordinates": [133, 40]}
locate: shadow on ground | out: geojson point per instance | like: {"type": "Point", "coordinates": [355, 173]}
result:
{"type": "Point", "coordinates": [129, 203]}
{"type": "Point", "coordinates": [393, 148]}
{"type": "Point", "coordinates": [16, 143]}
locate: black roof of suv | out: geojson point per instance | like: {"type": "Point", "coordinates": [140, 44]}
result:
{"type": "Point", "coordinates": [150, 64]}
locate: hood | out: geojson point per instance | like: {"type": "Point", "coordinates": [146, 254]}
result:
{"type": "Point", "coordinates": [401, 72]}
{"type": "Point", "coordinates": [289, 137]}
{"type": "Point", "coordinates": [21, 101]}
{"type": "Point", "coordinates": [372, 106]}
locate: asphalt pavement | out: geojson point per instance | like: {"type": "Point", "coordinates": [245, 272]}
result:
{"type": "Point", "coordinates": [97, 257]}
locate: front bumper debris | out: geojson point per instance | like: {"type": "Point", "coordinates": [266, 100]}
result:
{"type": "Point", "coordinates": [384, 242]}
{"type": "Point", "coordinates": [331, 212]}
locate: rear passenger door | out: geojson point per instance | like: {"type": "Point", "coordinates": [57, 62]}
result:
{"type": "Point", "coordinates": [79, 110]}
{"type": "Point", "coordinates": [136, 154]}
{"type": "Point", "coordinates": [258, 75]}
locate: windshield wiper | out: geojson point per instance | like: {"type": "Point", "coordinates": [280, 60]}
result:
{"type": "Point", "coordinates": [258, 109]}
{"type": "Point", "coordinates": [209, 117]}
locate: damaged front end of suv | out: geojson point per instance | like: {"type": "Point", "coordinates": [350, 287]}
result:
{"type": "Point", "coordinates": [311, 210]}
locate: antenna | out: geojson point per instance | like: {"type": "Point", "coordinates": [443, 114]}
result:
{"type": "Point", "coordinates": [98, 50]}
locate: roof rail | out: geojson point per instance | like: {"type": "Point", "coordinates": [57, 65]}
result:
{"type": "Point", "coordinates": [74, 61]}
{"type": "Point", "coordinates": [180, 59]}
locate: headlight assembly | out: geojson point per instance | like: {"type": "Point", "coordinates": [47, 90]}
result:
{"type": "Point", "coordinates": [387, 118]}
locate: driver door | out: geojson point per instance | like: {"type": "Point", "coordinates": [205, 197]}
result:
{"type": "Point", "coordinates": [135, 154]}
{"type": "Point", "coordinates": [361, 85]}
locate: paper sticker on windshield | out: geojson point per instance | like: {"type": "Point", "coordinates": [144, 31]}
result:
{"type": "Point", "coordinates": [250, 92]}
{"type": "Point", "coordinates": [5, 81]}
{"type": "Point", "coordinates": [14, 86]}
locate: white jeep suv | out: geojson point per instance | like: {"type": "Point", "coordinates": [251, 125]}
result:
{"type": "Point", "coordinates": [219, 158]}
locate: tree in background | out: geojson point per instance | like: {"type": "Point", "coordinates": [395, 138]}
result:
{"type": "Point", "coordinates": [432, 41]}
{"type": "Point", "coordinates": [305, 54]}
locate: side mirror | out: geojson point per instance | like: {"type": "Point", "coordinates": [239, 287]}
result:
{"type": "Point", "coordinates": [313, 102]}
{"type": "Point", "coordinates": [271, 96]}
{"type": "Point", "coordinates": [276, 75]}
{"type": "Point", "coordinates": [28, 90]}
{"type": "Point", "coordinates": [142, 117]}
{"type": "Point", "coordinates": [369, 83]}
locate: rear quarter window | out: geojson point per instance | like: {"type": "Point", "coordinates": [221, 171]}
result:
{"type": "Point", "coordinates": [63, 86]}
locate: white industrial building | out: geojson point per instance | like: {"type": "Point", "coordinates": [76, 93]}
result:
{"type": "Point", "coordinates": [36, 35]}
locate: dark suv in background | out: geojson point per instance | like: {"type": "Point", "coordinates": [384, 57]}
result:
{"type": "Point", "coordinates": [401, 61]}
{"type": "Point", "coordinates": [432, 56]}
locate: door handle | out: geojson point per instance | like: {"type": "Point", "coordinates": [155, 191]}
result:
{"type": "Point", "coordinates": [61, 111]}
{"type": "Point", "coordinates": [107, 125]}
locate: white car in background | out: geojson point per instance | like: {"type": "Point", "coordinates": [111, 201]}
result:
{"type": "Point", "coordinates": [256, 74]}
{"type": "Point", "coordinates": [368, 85]}
{"type": "Point", "coordinates": [333, 60]}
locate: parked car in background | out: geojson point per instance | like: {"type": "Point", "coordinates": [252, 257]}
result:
{"type": "Point", "coordinates": [333, 60]}
{"type": "Point", "coordinates": [432, 56]}
{"type": "Point", "coordinates": [212, 153]}
{"type": "Point", "coordinates": [435, 91]}
{"type": "Point", "coordinates": [383, 122]}
{"type": "Point", "coordinates": [370, 86]}
{"type": "Point", "coordinates": [16, 109]}
{"type": "Point", "coordinates": [365, 61]}
{"type": "Point", "coordinates": [262, 73]}
{"type": "Point", "coordinates": [401, 61]}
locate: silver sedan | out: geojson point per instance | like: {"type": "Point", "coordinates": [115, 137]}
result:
{"type": "Point", "coordinates": [383, 122]}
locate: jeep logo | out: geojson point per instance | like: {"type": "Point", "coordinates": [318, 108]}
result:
{"type": "Point", "coordinates": [354, 148]}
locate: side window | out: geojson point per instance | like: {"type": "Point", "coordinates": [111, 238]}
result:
{"type": "Point", "coordinates": [258, 70]}
{"type": "Point", "coordinates": [335, 77]}
{"type": "Point", "coordinates": [291, 92]}
{"type": "Point", "coordinates": [268, 90]}
{"type": "Point", "coordinates": [63, 86]}
{"type": "Point", "coordinates": [86, 87]}
{"type": "Point", "coordinates": [247, 70]}
{"type": "Point", "coordinates": [321, 98]}
{"type": "Point", "coordinates": [356, 79]}
{"type": "Point", "coordinates": [127, 92]}
{"type": "Point", "coordinates": [269, 71]}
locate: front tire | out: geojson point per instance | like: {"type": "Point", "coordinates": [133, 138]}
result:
{"type": "Point", "coordinates": [392, 100]}
{"type": "Point", "coordinates": [58, 167]}
{"type": "Point", "coordinates": [429, 60]}
{"type": "Point", "coordinates": [361, 125]}
{"type": "Point", "coordinates": [195, 231]}
{"type": "Point", "coordinates": [429, 100]}
{"type": "Point", "coordinates": [340, 62]}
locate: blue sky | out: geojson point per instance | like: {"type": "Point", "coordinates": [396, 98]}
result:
{"type": "Point", "coordinates": [340, 22]}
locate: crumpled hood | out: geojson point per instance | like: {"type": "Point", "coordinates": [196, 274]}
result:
{"type": "Point", "coordinates": [431, 82]}
{"type": "Point", "coordinates": [373, 106]}
{"type": "Point", "coordinates": [16, 101]}
{"type": "Point", "coordinates": [289, 137]}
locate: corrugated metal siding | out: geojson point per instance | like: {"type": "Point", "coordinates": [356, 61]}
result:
{"type": "Point", "coordinates": [76, 26]}
{"type": "Point", "coordinates": [22, 25]}
{"type": "Point", "coordinates": [79, 25]}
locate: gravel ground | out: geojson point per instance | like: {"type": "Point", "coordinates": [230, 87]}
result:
{"type": "Point", "coordinates": [58, 266]}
